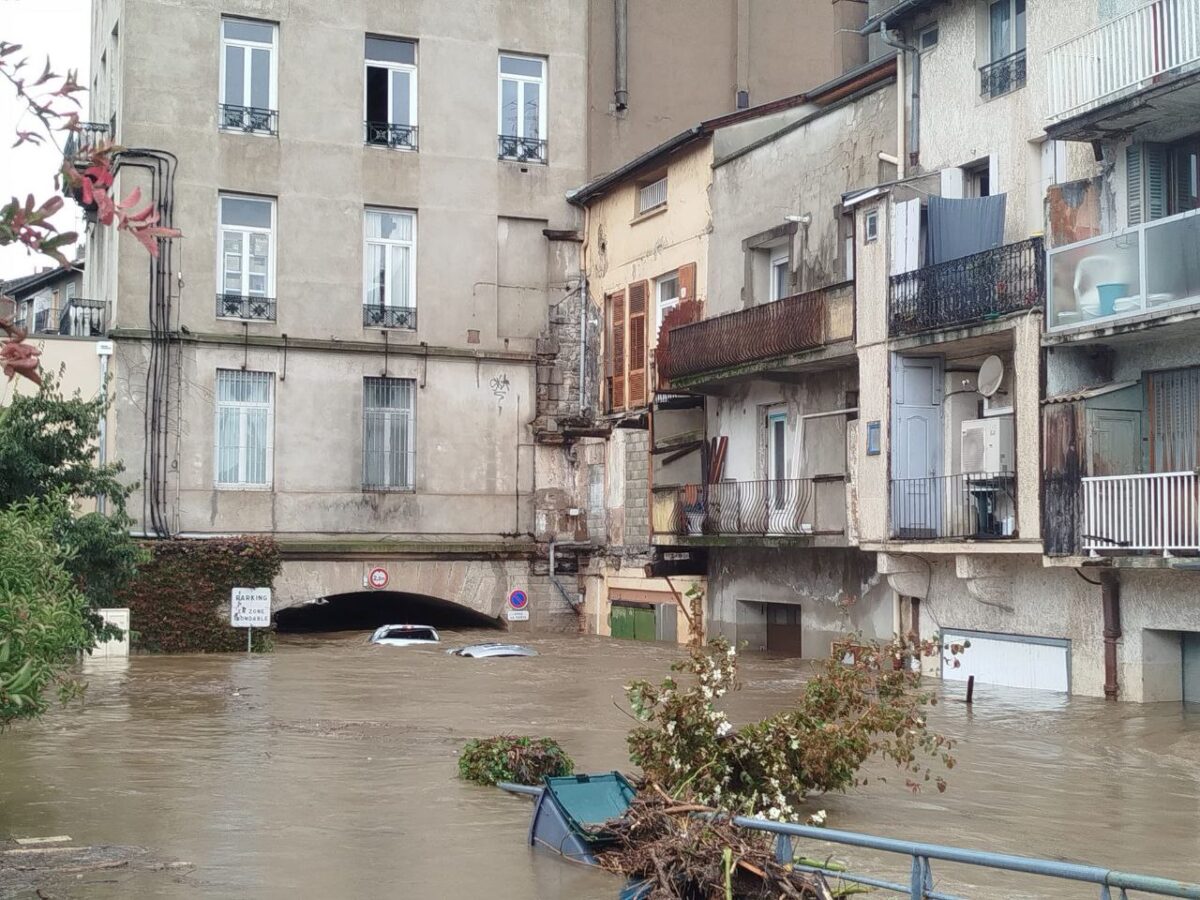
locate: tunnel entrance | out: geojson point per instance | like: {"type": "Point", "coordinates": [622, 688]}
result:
{"type": "Point", "coordinates": [367, 610]}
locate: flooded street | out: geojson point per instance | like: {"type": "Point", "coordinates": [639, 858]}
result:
{"type": "Point", "coordinates": [328, 769]}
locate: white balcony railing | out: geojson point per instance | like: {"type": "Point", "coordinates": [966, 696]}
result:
{"type": "Point", "coordinates": [1142, 269]}
{"type": "Point", "coordinates": [1158, 512]}
{"type": "Point", "coordinates": [1119, 56]}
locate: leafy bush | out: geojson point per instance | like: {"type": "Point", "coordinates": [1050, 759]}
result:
{"type": "Point", "coordinates": [523, 760]}
{"type": "Point", "coordinates": [863, 705]}
{"type": "Point", "coordinates": [43, 614]}
{"type": "Point", "coordinates": [179, 601]}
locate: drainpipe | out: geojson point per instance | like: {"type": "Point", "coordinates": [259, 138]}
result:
{"type": "Point", "coordinates": [1110, 598]}
{"type": "Point", "coordinates": [621, 92]}
{"type": "Point", "coordinates": [102, 436]}
{"type": "Point", "coordinates": [914, 108]}
{"type": "Point", "coordinates": [583, 310]}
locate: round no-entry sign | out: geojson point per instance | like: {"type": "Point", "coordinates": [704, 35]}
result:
{"type": "Point", "coordinates": [517, 599]}
{"type": "Point", "coordinates": [378, 578]}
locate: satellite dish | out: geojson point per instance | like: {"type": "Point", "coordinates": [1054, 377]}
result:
{"type": "Point", "coordinates": [991, 373]}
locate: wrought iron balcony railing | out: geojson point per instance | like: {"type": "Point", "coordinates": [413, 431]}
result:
{"type": "Point", "coordinates": [85, 139]}
{"type": "Point", "coordinates": [1002, 76]}
{"type": "Point", "coordinates": [241, 306]}
{"type": "Point", "coordinates": [249, 118]}
{"type": "Point", "coordinates": [376, 315]}
{"type": "Point", "coordinates": [980, 505]}
{"type": "Point", "coordinates": [773, 507]}
{"type": "Point", "coordinates": [760, 333]}
{"type": "Point", "coordinates": [387, 134]}
{"type": "Point", "coordinates": [523, 149]}
{"type": "Point", "coordinates": [972, 289]}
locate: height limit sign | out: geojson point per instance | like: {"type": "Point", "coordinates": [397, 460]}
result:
{"type": "Point", "coordinates": [518, 606]}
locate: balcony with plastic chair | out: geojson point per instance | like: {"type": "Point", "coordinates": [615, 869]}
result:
{"type": "Point", "coordinates": [1132, 275]}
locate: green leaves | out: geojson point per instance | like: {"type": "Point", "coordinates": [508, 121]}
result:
{"type": "Point", "coordinates": [522, 760]}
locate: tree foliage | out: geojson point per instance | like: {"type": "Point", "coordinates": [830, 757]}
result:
{"type": "Point", "coordinates": [866, 705]}
{"type": "Point", "coordinates": [43, 614]}
{"type": "Point", "coordinates": [522, 760]}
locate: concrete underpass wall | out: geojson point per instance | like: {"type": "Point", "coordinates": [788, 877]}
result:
{"type": "Point", "coordinates": [837, 589]}
{"type": "Point", "coordinates": [481, 585]}
{"type": "Point", "coordinates": [1156, 607]}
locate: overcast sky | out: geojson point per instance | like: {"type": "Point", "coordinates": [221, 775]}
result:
{"type": "Point", "coordinates": [58, 28]}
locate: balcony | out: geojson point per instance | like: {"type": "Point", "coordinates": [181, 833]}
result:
{"type": "Point", "coordinates": [1003, 76]}
{"type": "Point", "coordinates": [1144, 48]}
{"type": "Point", "coordinates": [749, 340]}
{"type": "Point", "coordinates": [82, 142]}
{"type": "Point", "coordinates": [241, 306]}
{"type": "Point", "coordinates": [376, 315]}
{"type": "Point", "coordinates": [248, 118]}
{"type": "Point", "coordinates": [1142, 270]}
{"type": "Point", "coordinates": [77, 317]}
{"type": "Point", "coordinates": [969, 290]}
{"type": "Point", "coordinates": [792, 507]}
{"type": "Point", "coordinates": [523, 149]}
{"type": "Point", "coordinates": [978, 506]}
{"type": "Point", "coordinates": [386, 134]}
{"type": "Point", "coordinates": [1154, 513]}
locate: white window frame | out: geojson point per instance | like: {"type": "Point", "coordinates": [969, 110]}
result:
{"type": "Point", "coordinates": [522, 80]}
{"type": "Point", "coordinates": [244, 408]}
{"type": "Point", "coordinates": [246, 230]}
{"type": "Point", "coordinates": [871, 226]}
{"type": "Point", "coordinates": [778, 260]}
{"type": "Point", "coordinates": [664, 305]}
{"type": "Point", "coordinates": [369, 63]}
{"type": "Point", "coordinates": [410, 451]}
{"type": "Point", "coordinates": [388, 302]}
{"type": "Point", "coordinates": [650, 190]}
{"type": "Point", "coordinates": [247, 46]}
{"type": "Point", "coordinates": [993, 56]}
{"type": "Point", "coordinates": [932, 28]}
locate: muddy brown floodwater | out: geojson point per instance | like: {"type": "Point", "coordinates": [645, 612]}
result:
{"type": "Point", "coordinates": [327, 769]}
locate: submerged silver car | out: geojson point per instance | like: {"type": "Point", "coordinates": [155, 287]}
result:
{"type": "Point", "coordinates": [482, 651]}
{"type": "Point", "coordinates": [405, 635]}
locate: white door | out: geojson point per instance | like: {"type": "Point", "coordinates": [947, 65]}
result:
{"type": "Point", "coordinates": [778, 493]}
{"type": "Point", "coordinates": [916, 446]}
{"type": "Point", "coordinates": [119, 618]}
{"type": "Point", "coordinates": [1042, 664]}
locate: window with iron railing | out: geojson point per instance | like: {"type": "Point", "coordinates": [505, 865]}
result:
{"type": "Point", "coordinates": [391, 95]}
{"type": "Point", "coordinates": [248, 77]}
{"type": "Point", "coordinates": [246, 261]}
{"type": "Point", "coordinates": [389, 277]}
{"type": "Point", "coordinates": [652, 195]}
{"type": "Point", "coordinates": [244, 428]}
{"type": "Point", "coordinates": [522, 108]}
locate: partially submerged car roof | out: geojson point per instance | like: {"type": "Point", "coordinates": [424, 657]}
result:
{"type": "Point", "coordinates": [480, 651]}
{"type": "Point", "coordinates": [406, 632]}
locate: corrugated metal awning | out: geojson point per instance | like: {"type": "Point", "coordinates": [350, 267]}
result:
{"type": "Point", "coordinates": [1098, 390]}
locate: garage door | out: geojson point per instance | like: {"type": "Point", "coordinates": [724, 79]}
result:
{"type": "Point", "coordinates": [1010, 660]}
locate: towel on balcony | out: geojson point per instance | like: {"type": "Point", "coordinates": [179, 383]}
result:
{"type": "Point", "coordinates": [959, 228]}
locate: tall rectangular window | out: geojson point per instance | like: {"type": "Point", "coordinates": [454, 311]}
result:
{"type": "Point", "coordinates": [391, 96]}
{"type": "Point", "coordinates": [666, 289]}
{"type": "Point", "coordinates": [779, 274]}
{"type": "Point", "coordinates": [522, 101]}
{"type": "Point", "coordinates": [246, 257]}
{"type": "Point", "coordinates": [388, 434]}
{"type": "Point", "coordinates": [389, 277]}
{"type": "Point", "coordinates": [1005, 70]}
{"type": "Point", "coordinates": [245, 428]}
{"type": "Point", "coordinates": [248, 81]}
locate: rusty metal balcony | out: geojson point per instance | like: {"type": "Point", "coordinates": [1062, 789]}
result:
{"type": "Point", "coordinates": [768, 508]}
{"type": "Point", "coordinates": [735, 342]}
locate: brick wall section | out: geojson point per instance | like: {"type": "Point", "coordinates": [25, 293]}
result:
{"type": "Point", "coordinates": [637, 490]}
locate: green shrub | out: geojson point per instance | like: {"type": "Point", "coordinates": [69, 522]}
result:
{"type": "Point", "coordinates": [179, 601]}
{"type": "Point", "coordinates": [523, 760]}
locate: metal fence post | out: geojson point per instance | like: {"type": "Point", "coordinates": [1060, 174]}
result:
{"type": "Point", "coordinates": [922, 878]}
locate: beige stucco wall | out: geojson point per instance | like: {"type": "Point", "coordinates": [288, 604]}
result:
{"type": "Point", "coordinates": [710, 48]}
{"type": "Point", "coordinates": [629, 581]}
{"type": "Point", "coordinates": [958, 126]}
{"type": "Point", "coordinates": [804, 168]}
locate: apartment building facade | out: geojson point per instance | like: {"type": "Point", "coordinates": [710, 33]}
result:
{"type": "Point", "coordinates": [342, 350]}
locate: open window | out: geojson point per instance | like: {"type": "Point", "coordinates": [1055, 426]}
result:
{"type": "Point", "coordinates": [391, 93]}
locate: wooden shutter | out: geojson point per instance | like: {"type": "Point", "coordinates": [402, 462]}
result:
{"type": "Point", "coordinates": [1145, 182]}
{"type": "Point", "coordinates": [616, 396]}
{"type": "Point", "coordinates": [638, 292]}
{"type": "Point", "coordinates": [1173, 405]}
{"type": "Point", "coordinates": [687, 282]}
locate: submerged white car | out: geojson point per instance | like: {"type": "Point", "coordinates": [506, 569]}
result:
{"type": "Point", "coordinates": [482, 651]}
{"type": "Point", "coordinates": [405, 635]}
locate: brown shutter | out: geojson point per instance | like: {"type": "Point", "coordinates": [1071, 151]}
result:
{"type": "Point", "coordinates": [687, 282]}
{"type": "Point", "coordinates": [637, 343]}
{"type": "Point", "coordinates": [616, 396]}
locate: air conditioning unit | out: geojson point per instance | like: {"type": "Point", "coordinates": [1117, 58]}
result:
{"type": "Point", "coordinates": [987, 445]}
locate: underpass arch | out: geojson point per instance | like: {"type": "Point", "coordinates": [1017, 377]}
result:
{"type": "Point", "coordinates": [366, 610]}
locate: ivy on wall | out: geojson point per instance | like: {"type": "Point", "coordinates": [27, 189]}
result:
{"type": "Point", "coordinates": [179, 601]}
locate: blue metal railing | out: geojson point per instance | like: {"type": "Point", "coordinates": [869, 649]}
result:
{"type": "Point", "coordinates": [920, 884]}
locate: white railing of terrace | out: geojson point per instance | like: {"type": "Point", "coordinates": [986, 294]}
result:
{"type": "Point", "coordinates": [1157, 512]}
{"type": "Point", "coordinates": [1121, 55]}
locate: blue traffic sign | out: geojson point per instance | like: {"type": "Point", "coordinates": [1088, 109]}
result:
{"type": "Point", "coordinates": [517, 599]}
